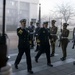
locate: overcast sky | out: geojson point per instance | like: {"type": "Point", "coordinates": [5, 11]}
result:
{"type": "Point", "coordinates": [48, 5]}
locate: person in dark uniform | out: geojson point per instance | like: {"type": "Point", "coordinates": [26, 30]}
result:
{"type": "Point", "coordinates": [73, 41]}
{"type": "Point", "coordinates": [73, 38]}
{"type": "Point", "coordinates": [64, 40]}
{"type": "Point", "coordinates": [23, 46]}
{"type": "Point", "coordinates": [44, 37]}
{"type": "Point", "coordinates": [36, 36]}
{"type": "Point", "coordinates": [53, 32]}
{"type": "Point", "coordinates": [31, 29]}
{"type": "Point", "coordinates": [46, 26]}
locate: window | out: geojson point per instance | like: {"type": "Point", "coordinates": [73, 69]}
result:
{"type": "Point", "coordinates": [11, 4]}
{"type": "Point", "coordinates": [11, 12]}
{"type": "Point", "coordinates": [1, 3]}
{"type": "Point", "coordinates": [24, 6]}
{"type": "Point", "coordinates": [1, 12]}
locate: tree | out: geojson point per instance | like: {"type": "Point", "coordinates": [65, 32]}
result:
{"type": "Point", "coordinates": [65, 11]}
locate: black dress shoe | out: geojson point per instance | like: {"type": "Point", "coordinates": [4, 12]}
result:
{"type": "Point", "coordinates": [31, 47]}
{"type": "Point", "coordinates": [36, 50]}
{"type": "Point", "coordinates": [74, 63]}
{"type": "Point", "coordinates": [50, 65]}
{"type": "Point", "coordinates": [16, 66]}
{"type": "Point", "coordinates": [36, 60]}
{"type": "Point", "coordinates": [63, 58]}
{"type": "Point", "coordinates": [72, 47]}
{"type": "Point", "coordinates": [30, 71]}
{"type": "Point", "coordinates": [52, 55]}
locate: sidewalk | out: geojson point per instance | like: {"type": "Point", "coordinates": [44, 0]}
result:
{"type": "Point", "coordinates": [60, 67]}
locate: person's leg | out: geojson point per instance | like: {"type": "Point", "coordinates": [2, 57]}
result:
{"type": "Point", "coordinates": [28, 61]}
{"type": "Point", "coordinates": [73, 44]}
{"type": "Point", "coordinates": [64, 46]}
{"type": "Point", "coordinates": [48, 56]}
{"type": "Point", "coordinates": [38, 55]}
{"type": "Point", "coordinates": [65, 49]}
{"type": "Point", "coordinates": [53, 49]}
{"type": "Point", "coordinates": [19, 56]}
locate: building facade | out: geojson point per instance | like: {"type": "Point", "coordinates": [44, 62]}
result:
{"type": "Point", "coordinates": [17, 10]}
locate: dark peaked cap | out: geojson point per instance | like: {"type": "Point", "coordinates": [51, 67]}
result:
{"type": "Point", "coordinates": [45, 22]}
{"type": "Point", "coordinates": [65, 24]}
{"type": "Point", "coordinates": [22, 20]}
{"type": "Point", "coordinates": [37, 22]}
{"type": "Point", "coordinates": [53, 20]}
{"type": "Point", "coordinates": [31, 22]}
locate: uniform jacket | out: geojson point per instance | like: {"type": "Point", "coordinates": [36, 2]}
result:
{"type": "Point", "coordinates": [73, 34]}
{"type": "Point", "coordinates": [36, 31]}
{"type": "Point", "coordinates": [24, 37]}
{"type": "Point", "coordinates": [53, 30]}
{"type": "Point", "coordinates": [31, 29]}
{"type": "Point", "coordinates": [64, 35]}
{"type": "Point", "coordinates": [44, 36]}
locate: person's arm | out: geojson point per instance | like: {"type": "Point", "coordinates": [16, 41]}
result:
{"type": "Point", "coordinates": [38, 38]}
{"type": "Point", "coordinates": [19, 32]}
{"type": "Point", "coordinates": [56, 30]}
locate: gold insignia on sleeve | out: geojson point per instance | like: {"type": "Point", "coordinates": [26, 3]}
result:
{"type": "Point", "coordinates": [30, 42]}
{"type": "Point", "coordinates": [20, 31]}
{"type": "Point", "coordinates": [38, 41]}
{"type": "Point", "coordinates": [38, 44]}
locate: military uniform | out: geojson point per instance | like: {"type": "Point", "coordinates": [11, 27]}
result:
{"type": "Point", "coordinates": [48, 29]}
{"type": "Point", "coordinates": [53, 32]}
{"type": "Point", "coordinates": [73, 38]}
{"type": "Point", "coordinates": [64, 40]}
{"type": "Point", "coordinates": [44, 45]}
{"type": "Point", "coordinates": [23, 47]}
{"type": "Point", "coordinates": [36, 36]}
{"type": "Point", "coordinates": [31, 30]}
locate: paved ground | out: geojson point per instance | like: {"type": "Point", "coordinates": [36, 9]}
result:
{"type": "Point", "coordinates": [60, 67]}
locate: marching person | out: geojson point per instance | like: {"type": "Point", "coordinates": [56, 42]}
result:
{"type": "Point", "coordinates": [31, 29]}
{"type": "Point", "coordinates": [46, 26]}
{"type": "Point", "coordinates": [64, 40]}
{"type": "Point", "coordinates": [36, 36]}
{"type": "Point", "coordinates": [44, 37]}
{"type": "Point", "coordinates": [53, 32]}
{"type": "Point", "coordinates": [73, 41]}
{"type": "Point", "coordinates": [73, 38]}
{"type": "Point", "coordinates": [23, 46]}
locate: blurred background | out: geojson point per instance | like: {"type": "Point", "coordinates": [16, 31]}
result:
{"type": "Point", "coordinates": [60, 10]}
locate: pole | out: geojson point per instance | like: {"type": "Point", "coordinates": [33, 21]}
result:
{"type": "Point", "coordinates": [3, 28]}
{"type": "Point", "coordinates": [3, 46]}
{"type": "Point", "coordinates": [40, 14]}
{"type": "Point", "coordinates": [4, 5]}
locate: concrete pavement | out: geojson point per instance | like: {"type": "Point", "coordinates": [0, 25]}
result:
{"type": "Point", "coordinates": [60, 67]}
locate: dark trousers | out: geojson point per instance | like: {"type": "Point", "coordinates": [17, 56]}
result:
{"type": "Point", "coordinates": [28, 57]}
{"type": "Point", "coordinates": [44, 49]}
{"type": "Point", "coordinates": [37, 48]}
{"type": "Point", "coordinates": [73, 44]}
{"type": "Point", "coordinates": [64, 44]}
{"type": "Point", "coordinates": [32, 40]}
